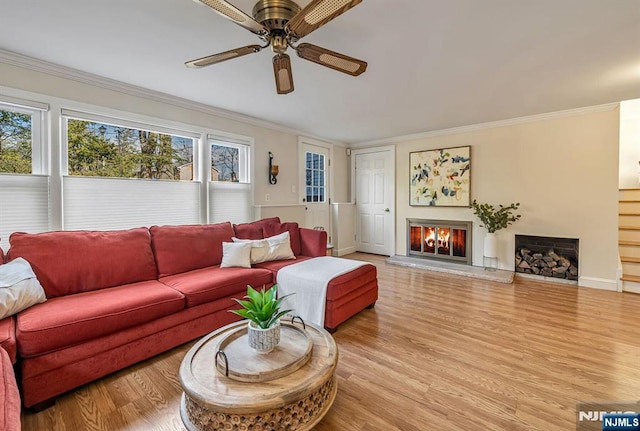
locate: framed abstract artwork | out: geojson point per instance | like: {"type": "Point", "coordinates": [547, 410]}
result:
{"type": "Point", "coordinates": [440, 178]}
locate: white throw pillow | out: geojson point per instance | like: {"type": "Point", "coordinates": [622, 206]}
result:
{"type": "Point", "coordinates": [259, 248]}
{"type": "Point", "coordinates": [279, 247]}
{"type": "Point", "coordinates": [19, 288]}
{"type": "Point", "coordinates": [236, 254]}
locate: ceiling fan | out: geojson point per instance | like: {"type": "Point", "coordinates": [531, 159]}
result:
{"type": "Point", "coordinates": [280, 24]}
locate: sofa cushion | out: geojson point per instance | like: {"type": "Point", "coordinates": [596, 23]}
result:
{"type": "Point", "coordinates": [253, 230]}
{"type": "Point", "coordinates": [8, 337]}
{"type": "Point", "coordinates": [9, 395]}
{"type": "Point", "coordinates": [272, 229]}
{"type": "Point", "coordinates": [69, 262]}
{"type": "Point", "coordinates": [208, 284]}
{"type": "Point", "coordinates": [72, 319]}
{"type": "Point", "coordinates": [184, 248]}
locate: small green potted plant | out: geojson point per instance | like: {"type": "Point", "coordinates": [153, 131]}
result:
{"type": "Point", "coordinates": [262, 310]}
{"type": "Point", "coordinates": [494, 219]}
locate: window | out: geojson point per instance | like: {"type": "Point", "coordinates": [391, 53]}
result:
{"type": "Point", "coordinates": [106, 150]}
{"type": "Point", "coordinates": [229, 162]}
{"type": "Point", "coordinates": [21, 144]}
{"type": "Point", "coordinates": [15, 141]}
{"type": "Point", "coordinates": [315, 170]}
{"type": "Point", "coordinates": [24, 199]}
{"type": "Point", "coordinates": [124, 174]}
{"type": "Point", "coordinates": [230, 192]}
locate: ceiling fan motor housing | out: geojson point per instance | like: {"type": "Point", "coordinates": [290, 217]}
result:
{"type": "Point", "coordinates": [274, 14]}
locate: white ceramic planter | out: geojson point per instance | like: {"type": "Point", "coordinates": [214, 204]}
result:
{"type": "Point", "coordinates": [490, 245]}
{"type": "Point", "coordinates": [263, 340]}
{"type": "Point", "coordinates": [490, 254]}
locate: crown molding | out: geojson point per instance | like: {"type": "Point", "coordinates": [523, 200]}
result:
{"type": "Point", "coordinates": [489, 125]}
{"type": "Point", "coordinates": [30, 63]}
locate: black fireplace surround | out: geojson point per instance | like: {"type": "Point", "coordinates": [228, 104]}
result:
{"type": "Point", "coordinates": [547, 256]}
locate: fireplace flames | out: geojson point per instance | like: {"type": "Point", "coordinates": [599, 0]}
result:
{"type": "Point", "coordinates": [441, 239]}
{"type": "Point", "coordinates": [438, 241]}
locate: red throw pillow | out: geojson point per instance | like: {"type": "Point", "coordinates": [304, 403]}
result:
{"type": "Point", "coordinates": [247, 231]}
{"type": "Point", "coordinates": [294, 234]}
{"type": "Point", "coordinates": [1, 256]}
{"type": "Point", "coordinates": [253, 230]}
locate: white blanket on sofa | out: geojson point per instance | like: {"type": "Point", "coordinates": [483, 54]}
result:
{"type": "Point", "coordinates": [309, 280]}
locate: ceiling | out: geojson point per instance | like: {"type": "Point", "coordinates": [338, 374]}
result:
{"type": "Point", "coordinates": [433, 64]}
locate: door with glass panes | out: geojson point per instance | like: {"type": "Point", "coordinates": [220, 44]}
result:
{"type": "Point", "coordinates": [315, 186]}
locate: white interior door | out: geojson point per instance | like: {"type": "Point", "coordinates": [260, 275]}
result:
{"type": "Point", "coordinates": [374, 174]}
{"type": "Point", "coordinates": [315, 185]}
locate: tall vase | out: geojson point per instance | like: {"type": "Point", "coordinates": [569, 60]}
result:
{"type": "Point", "coordinates": [490, 260]}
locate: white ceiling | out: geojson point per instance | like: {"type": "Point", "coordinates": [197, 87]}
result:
{"type": "Point", "coordinates": [433, 64]}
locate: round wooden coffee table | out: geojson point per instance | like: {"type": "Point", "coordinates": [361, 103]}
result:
{"type": "Point", "coordinates": [296, 395]}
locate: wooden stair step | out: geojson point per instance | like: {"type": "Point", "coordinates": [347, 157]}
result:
{"type": "Point", "coordinates": [628, 227]}
{"type": "Point", "coordinates": [631, 243]}
{"type": "Point", "coordinates": [629, 259]}
{"type": "Point", "coordinates": [634, 278]}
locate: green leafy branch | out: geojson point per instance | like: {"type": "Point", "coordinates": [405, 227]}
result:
{"type": "Point", "coordinates": [495, 219]}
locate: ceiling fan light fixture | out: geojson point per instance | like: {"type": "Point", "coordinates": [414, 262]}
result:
{"type": "Point", "coordinates": [282, 73]}
{"type": "Point", "coordinates": [280, 24]}
{"type": "Point", "coordinates": [274, 14]}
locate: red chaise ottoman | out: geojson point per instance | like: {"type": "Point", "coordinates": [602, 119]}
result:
{"type": "Point", "coordinates": [350, 293]}
{"type": "Point", "coordinates": [345, 286]}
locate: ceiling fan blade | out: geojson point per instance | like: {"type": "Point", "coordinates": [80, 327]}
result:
{"type": "Point", "coordinates": [231, 12]}
{"type": "Point", "coordinates": [334, 60]}
{"type": "Point", "coordinates": [316, 14]}
{"type": "Point", "coordinates": [223, 56]}
{"type": "Point", "coordinates": [283, 74]}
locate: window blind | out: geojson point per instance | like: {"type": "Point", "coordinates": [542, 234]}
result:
{"type": "Point", "coordinates": [24, 205]}
{"type": "Point", "coordinates": [230, 202]}
{"type": "Point", "coordinates": [115, 203]}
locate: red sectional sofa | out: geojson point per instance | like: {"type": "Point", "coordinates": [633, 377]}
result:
{"type": "Point", "coordinates": [116, 298]}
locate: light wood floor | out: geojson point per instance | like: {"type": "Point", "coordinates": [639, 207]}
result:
{"type": "Point", "coordinates": [438, 352]}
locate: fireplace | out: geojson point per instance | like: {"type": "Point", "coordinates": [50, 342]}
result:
{"type": "Point", "coordinates": [447, 240]}
{"type": "Point", "coordinates": [547, 257]}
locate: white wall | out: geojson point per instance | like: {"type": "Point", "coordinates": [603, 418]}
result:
{"type": "Point", "coordinates": [630, 144]}
{"type": "Point", "coordinates": [564, 173]}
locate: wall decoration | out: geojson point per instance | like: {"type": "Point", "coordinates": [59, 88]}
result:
{"type": "Point", "coordinates": [440, 177]}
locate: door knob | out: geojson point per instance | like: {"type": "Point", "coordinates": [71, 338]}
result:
{"type": "Point", "coordinates": [386, 210]}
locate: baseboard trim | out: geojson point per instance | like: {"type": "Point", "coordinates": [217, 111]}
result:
{"type": "Point", "coordinates": [598, 283]}
{"type": "Point", "coordinates": [344, 251]}
{"type": "Point", "coordinates": [631, 287]}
